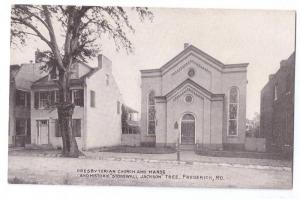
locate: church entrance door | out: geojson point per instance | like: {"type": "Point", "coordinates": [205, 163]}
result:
{"type": "Point", "coordinates": [188, 129]}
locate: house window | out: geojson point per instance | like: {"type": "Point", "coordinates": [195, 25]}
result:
{"type": "Point", "coordinates": [22, 98]}
{"type": "Point", "coordinates": [233, 111]}
{"type": "Point", "coordinates": [44, 99]}
{"type": "Point", "coordinates": [151, 113]}
{"type": "Point", "coordinates": [76, 128]}
{"type": "Point", "coordinates": [21, 126]}
{"type": "Point", "coordinates": [118, 107]}
{"type": "Point", "coordinates": [77, 97]}
{"type": "Point", "coordinates": [275, 92]}
{"type": "Point", "coordinates": [107, 79]}
{"type": "Point", "coordinates": [92, 96]}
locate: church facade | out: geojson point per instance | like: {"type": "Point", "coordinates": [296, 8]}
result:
{"type": "Point", "coordinates": [196, 101]}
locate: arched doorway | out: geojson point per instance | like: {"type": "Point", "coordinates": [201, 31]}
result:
{"type": "Point", "coordinates": [188, 129]}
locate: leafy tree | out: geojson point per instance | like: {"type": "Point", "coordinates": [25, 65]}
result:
{"type": "Point", "coordinates": [81, 29]}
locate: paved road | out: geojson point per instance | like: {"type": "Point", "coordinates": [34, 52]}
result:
{"type": "Point", "coordinates": [46, 170]}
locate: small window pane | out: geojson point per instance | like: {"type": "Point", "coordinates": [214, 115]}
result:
{"type": "Point", "coordinates": [233, 111]}
{"type": "Point", "coordinates": [44, 101]}
{"type": "Point", "coordinates": [232, 127]}
{"type": "Point", "coordinates": [151, 113]}
{"type": "Point", "coordinates": [78, 97]}
{"type": "Point", "coordinates": [151, 127]}
{"type": "Point", "coordinates": [151, 98]}
{"type": "Point", "coordinates": [233, 95]}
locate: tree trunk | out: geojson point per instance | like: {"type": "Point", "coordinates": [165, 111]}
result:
{"type": "Point", "coordinates": [65, 110]}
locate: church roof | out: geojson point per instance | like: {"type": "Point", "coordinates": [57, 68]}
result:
{"type": "Point", "coordinates": [192, 48]}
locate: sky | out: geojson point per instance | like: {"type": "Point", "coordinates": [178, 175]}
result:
{"type": "Point", "coordinates": [261, 38]}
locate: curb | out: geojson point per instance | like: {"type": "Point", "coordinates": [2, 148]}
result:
{"type": "Point", "coordinates": [260, 167]}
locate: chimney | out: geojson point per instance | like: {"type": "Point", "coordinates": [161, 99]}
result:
{"type": "Point", "coordinates": [104, 62]}
{"type": "Point", "coordinates": [186, 45]}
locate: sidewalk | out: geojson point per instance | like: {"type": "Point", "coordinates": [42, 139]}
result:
{"type": "Point", "coordinates": [186, 157]}
{"type": "Point", "coordinates": [189, 157]}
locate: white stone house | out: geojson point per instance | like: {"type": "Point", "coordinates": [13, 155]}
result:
{"type": "Point", "coordinates": [196, 100]}
{"type": "Point", "coordinates": [97, 114]}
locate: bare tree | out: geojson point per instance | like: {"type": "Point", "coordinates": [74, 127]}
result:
{"type": "Point", "coordinates": [82, 28]}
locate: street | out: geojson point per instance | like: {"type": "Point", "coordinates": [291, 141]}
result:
{"type": "Point", "coordinates": [49, 170]}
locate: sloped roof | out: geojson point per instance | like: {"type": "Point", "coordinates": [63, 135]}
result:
{"type": "Point", "coordinates": [27, 74]}
{"type": "Point", "coordinates": [192, 48]}
{"type": "Point", "coordinates": [44, 82]}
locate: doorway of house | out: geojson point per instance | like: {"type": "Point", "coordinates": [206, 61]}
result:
{"type": "Point", "coordinates": [43, 132]}
{"type": "Point", "coordinates": [188, 129]}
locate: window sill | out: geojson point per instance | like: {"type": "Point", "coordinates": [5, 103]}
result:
{"type": "Point", "coordinates": [233, 136]}
{"type": "Point", "coordinates": [151, 135]}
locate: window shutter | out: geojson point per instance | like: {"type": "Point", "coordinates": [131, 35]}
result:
{"type": "Point", "coordinates": [36, 100]}
{"type": "Point", "coordinates": [17, 97]}
{"type": "Point", "coordinates": [81, 97]}
{"type": "Point", "coordinates": [92, 96]}
{"type": "Point", "coordinates": [28, 99]}
{"type": "Point", "coordinates": [52, 97]}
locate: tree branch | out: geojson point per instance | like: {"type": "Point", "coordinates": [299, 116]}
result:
{"type": "Point", "coordinates": [32, 27]}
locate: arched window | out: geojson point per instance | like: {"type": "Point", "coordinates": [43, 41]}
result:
{"type": "Point", "coordinates": [151, 113]}
{"type": "Point", "coordinates": [233, 111]}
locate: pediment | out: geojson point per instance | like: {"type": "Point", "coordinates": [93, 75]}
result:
{"type": "Point", "coordinates": [190, 86]}
{"type": "Point", "coordinates": [197, 54]}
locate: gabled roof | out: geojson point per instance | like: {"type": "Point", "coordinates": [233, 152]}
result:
{"type": "Point", "coordinates": [44, 82]}
{"type": "Point", "coordinates": [189, 49]}
{"type": "Point", "coordinates": [195, 49]}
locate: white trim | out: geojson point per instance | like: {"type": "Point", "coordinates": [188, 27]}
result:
{"type": "Point", "coordinates": [180, 121]}
{"type": "Point", "coordinates": [237, 114]}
